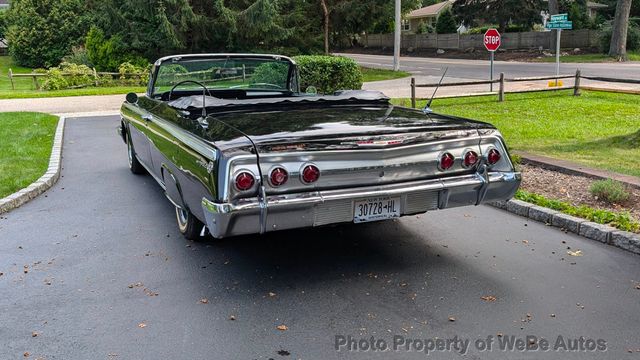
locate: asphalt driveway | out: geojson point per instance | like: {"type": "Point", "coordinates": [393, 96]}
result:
{"type": "Point", "coordinates": [96, 269]}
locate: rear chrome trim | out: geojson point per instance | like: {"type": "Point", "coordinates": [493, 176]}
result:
{"type": "Point", "coordinates": [315, 208]}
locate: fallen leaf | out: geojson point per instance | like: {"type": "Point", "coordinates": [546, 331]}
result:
{"type": "Point", "coordinates": [575, 253]}
{"type": "Point", "coordinates": [525, 241]}
{"type": "Point", "coordinates": [637, 286]}
{"type": "Point", "coordinates": [142, 325]}
{"type": "Point", "coordinates": [451, 318]}
{"type": "Point", "coordinates": [553, 315]}
{"type": "Point", "coordinates": [489, 298]}
{"type": "Point", "coordinates": [500, 334]}
{"type": "Point", "coordinates": [26, 354]}
{"type": "Point", "coordinates": [34, 334]}
{"type": "Point", "coordinates": [282, 327]}
{"type": "Point", "coordinates": [272, 294]}
{"type": "Point", "coordinates": [204, 301]}
{"type": "Point", "coordinates": [232, 318]}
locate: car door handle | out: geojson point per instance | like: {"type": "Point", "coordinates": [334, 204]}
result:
{"type": "Point", "coordinates": [147, 118]}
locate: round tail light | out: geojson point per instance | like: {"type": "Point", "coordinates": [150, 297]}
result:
{"type": "Point", "coordinates": [446, 161]}
{"type": "Point", "coordinates": [470, 158]}
{"type": "Point", "coordinates": [245, 181]}
{"type": "Point", "coordinates": [310, 174]}
{"type": "Point", "coordinates": [278, 176]}
{"type": "Point", "coordinates": [493, 156]}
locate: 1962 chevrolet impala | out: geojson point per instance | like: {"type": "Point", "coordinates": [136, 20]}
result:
{"type": "Point", "coordinates": [239, 149]}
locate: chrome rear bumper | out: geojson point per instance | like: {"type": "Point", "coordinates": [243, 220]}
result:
{"type": "Point", "coordinates": [317, 208]}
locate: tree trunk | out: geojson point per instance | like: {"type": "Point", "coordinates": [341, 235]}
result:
{"type": "Point", "coordinates": [618, 47]}
{"type": "Point", "coordinates": [553, 7]}
{"type": "Point", "coordinates": [325, 12]}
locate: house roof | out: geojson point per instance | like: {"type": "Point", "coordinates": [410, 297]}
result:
{"type": "Point", "coordinates": [590, 4]}
{"type": "Point", "coordinates": [428, 11]}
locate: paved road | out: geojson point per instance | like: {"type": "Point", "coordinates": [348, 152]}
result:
{"type": "Point", "coordinates": [479, 69]}
{"type": "Point", "coordinates": [106, 242]}
{"type": "Point", "coordinates": [86, 105]}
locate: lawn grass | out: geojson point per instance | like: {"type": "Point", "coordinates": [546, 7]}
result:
{"type": "Point", "coordinates": [597, 129]}
{"type": "Point", "coordinates": [24, 87]}
{"type": "Point", "coordinates": [25, 148]}
{"type": "Point", "coordinates": [587, 58]}
{"type": "Point", "coordinates": [371, 74]}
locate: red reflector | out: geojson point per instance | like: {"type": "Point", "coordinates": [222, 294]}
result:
{"type": "Point", "coordinates": [493, 156]}
{"type": "Point", "coordinates": [446, 161]}
{"type": "Point", "coordinates": [279, 176]}
{"type": "Point", "coordinates": [310, 174]}
{"type": "Point", "coordinates": [470, 158]}
{"type": "Point", "coordinates": [244, 181]}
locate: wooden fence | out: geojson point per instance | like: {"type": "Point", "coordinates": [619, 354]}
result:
{"type": "Point", "coordinates": [502, 80]}
{"type": "Point", "coordinates": [96, 76]}
{"type": "Point", "coordinates": [511, 41]}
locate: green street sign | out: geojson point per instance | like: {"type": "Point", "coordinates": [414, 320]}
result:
{"type": "Point", "coordinates": [559, 17]}
{"type": "Point", "coordinates": [563, 25]}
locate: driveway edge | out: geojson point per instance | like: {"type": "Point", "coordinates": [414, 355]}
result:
{"type": "Point", "coordinates": [603, 233]}
{"type": "Point", "coordinates": [45, 182]}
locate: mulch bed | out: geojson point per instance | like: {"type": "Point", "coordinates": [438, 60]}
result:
{"type": "Point", "coordinates": [573, 189]}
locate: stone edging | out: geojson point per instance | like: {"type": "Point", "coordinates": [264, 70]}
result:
{"type": "Point", "coordinates": [594, 231]}
{"type": "Point", "coordinates": [45, 182]}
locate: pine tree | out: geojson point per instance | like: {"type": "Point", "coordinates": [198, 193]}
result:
{"type": "Point", "coordinates": [446, 24]}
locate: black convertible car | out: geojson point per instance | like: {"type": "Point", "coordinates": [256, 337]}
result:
{"type": "Point", "coordinates": [239, 149]}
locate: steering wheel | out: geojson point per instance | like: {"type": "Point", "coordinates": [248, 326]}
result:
{"type": "Point", "coordinates": [188, 81]}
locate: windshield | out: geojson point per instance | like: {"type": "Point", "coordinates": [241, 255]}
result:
{"type": "Point", "coordinates": [223, 74]}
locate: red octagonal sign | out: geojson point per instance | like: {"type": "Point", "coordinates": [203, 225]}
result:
{"type": "Point", "coordinates": [492, 39]}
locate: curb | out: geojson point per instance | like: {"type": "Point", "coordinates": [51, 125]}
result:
{"type": "Point", "coordinates": [45, 182]}
{"type": "Point", "coordinates": [603, 233]}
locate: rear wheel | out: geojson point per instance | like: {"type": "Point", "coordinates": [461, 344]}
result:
{"type": "Point", "coordinates": [134, 164]}
{"type": "Point", "coordinates": [188, 225]}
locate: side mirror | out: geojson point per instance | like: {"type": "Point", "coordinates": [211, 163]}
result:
{"type": "Point", "coordinates": [132, 98]}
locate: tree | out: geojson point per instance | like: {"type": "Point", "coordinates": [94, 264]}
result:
{"type": "Point", "coordinates": [618, 47]}
{"type": "Point", "coordinates": [3, 24]}
{"type": "Point", "coordinates": [41, 32]}
{"type": "Point", "coordinates": [553, 7]}
{"type": "Point", "coordinates": [446, 23]}
{"type": "Point", "coordinates": [523, 13]}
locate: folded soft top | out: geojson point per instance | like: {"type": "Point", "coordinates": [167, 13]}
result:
{"type": "Point", "coordinates": [351, 96]}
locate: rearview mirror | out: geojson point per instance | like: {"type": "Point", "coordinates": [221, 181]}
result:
{"type": "Point", "coordinates": [132, 98]}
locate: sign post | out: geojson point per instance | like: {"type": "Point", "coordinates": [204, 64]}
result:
{"type": "Point", "coordinates": [492, 41]}
{"type": "Point", "coordinates": [559, 22]}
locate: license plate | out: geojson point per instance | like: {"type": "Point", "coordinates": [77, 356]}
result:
{"type": "Point", "coordinates": [376, 209]}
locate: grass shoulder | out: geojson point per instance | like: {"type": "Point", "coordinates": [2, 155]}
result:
{"type": "Point", "coordinates": [591, 129]}
{"type": "Point", "coordinates": [371, 74]}
{"type": "Point", "coordinates": [25, 149]}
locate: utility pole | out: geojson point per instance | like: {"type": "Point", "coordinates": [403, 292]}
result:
{"type": "Point", "coordinates": [398, 37]}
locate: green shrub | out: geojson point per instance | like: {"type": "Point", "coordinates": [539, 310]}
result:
{"type": "Point", "coordinates": [633, 38]}
{"type": "Point", "coordinates": [109, 54]}
{"type": "Point", "coordinates": [446, 23]}
{"type": "Point", "coordinates": [329, 73]}
{"type": "Point", "coordinates": [133, 75]}
{"type": "Point", "coordinates": [78, 56]}
{"type": "Point", "coordinates": [609, 190]}
{"type": "Point", "coordinates": [68, 76]}
{"type": "Point", "coordinates": [41, 32]}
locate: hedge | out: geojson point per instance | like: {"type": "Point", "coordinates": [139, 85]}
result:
{"type": "Point", "coordinates": [328, 73]}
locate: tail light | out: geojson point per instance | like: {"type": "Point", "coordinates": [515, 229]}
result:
{"type": "Point", "coordinates": [310, 174]}
{"type": "Point", "coordinates": [245, 181]}
{"type": "Point", "coordinates": [493, 156]}
{"type": "Point", "coordinates": [470, 159]}
{"type": "Point", "coordinates": [446, 161]}
{"type": "Point", "coordinates": [278, 176]}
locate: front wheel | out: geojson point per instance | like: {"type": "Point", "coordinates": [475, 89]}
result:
{"type": "Point", "coordinates": [134, 164]}
{"type": "Point", "coordinates": [188, 225]}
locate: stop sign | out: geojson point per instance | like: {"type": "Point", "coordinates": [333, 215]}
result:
{"type": "Point", "coordinates": [492, 39]}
